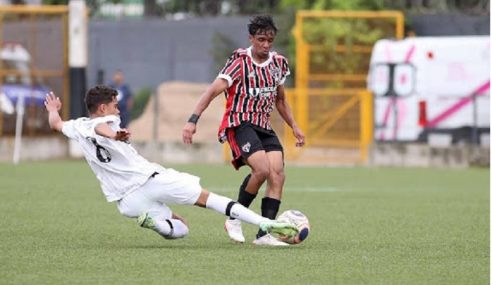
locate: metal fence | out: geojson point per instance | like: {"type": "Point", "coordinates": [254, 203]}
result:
{"type": "Point", "coordinates": [330, 100]}
{"type": "Point", "coordinates": [34, 60]}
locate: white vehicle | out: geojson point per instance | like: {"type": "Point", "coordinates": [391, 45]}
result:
{"type": "Point", "coordinates": [431, 85]}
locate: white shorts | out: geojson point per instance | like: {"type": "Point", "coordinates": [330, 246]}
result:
{"type": "Point", "coordinates": [166, 188]}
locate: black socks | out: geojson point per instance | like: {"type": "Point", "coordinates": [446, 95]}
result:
{"type": "Point", "coordinates": [269, 209]}
{"type": "Point", "coordinates": [245, 198]}
{"type": "Point", "coordinates": [269, 206]}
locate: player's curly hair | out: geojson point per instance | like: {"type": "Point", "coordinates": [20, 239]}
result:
{"type": "Point", "coordinates": [97, 95]}
{"type": "Point", "coordinates": [261, 24]}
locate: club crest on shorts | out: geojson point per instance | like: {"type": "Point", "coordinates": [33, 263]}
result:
{"type": "Point", "coordinates": [246, 147]}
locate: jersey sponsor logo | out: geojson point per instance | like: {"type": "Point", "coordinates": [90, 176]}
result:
{"type": "Point", "coordinates": [246, 147]}
{"type": "Point", "coordinates": [264, 92]}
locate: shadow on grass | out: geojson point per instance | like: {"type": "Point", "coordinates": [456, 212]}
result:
{"type": "Point", "coordinates": [173, 245]}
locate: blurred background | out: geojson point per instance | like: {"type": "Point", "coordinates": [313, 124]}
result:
{"type": "Point", "coordinates": [373, 82]}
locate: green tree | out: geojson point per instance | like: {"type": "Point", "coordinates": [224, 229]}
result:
{"type": "Point", "coordinates": [327, 35]}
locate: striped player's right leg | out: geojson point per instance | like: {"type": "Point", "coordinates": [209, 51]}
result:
{"type": "Point", "coordinates": [232, 225]}
{"type": "Point", "coordinates": [247, 149]}
{"type": "Point", "coordinates": [233, 209]}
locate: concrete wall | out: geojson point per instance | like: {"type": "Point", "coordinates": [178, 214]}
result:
{"type": "Point", "coordinates": [422, 155]}
{"type": "Point", "coordinates": [152, 51]}
{"type": "Point", "coordinates": [449, 25]}
{"type": "Point", "coordinates": [35, 148]}
{"type": "Point", "coordinates": [381, 155]}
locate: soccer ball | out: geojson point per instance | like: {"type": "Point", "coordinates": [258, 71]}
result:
{"type": "Point", "coordinates": [300, 221]}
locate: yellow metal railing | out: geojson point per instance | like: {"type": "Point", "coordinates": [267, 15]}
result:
{"type": "Point", "coordinates": [34, 9]}
{"type": "Point", "coordinates": [354, 105]}
{"type": "Point", "coordinates": [327, 121]}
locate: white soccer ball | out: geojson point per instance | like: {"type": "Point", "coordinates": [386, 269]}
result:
{"type": "Point", "coordinates": [300, 221]}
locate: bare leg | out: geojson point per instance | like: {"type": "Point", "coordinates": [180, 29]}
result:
{"type": "Point", "coordinates": [258, 162]}
{"type": "Point", "coordinates": [270, 204]}
{"type": "Point", "coordinates": [260, 170]}
{"type": "Point", "coordinates": [276, 177]}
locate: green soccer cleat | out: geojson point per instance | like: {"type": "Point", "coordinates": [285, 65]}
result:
{"type": "Point", "coordinates": [146, 221]}
{"type": "Point", "coordinates": [279, 229]}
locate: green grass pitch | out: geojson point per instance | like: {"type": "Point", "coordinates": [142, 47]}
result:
{"type": "Point", "coordinates": [369, 226]}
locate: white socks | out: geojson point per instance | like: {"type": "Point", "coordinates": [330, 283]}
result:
{"type": "Point", "coordinates": [237, 211]}
{"type": "Point", "coordinates": [174, 228]}
{"type": "Point", "coordinates": [178, 230]}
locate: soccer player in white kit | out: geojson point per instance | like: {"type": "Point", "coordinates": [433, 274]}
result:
{"type": "Point", "coordinates": [141, 189]}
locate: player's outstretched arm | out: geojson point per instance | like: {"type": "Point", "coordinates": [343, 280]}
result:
{"type": "Point", "coordinates": [105, 130]}
{"type": "Point", "coordinates": [53, 106]}
{"type": "Point", "coordinates": [217, 87]}
{"type": "Point", "coordinates": [286, 113]}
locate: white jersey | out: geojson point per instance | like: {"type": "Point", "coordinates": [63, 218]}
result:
{"type": "Point", "coordinates": [116, 164]}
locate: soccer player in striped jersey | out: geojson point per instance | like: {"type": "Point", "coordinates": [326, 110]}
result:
{"type": "Point", "coordinates": [253, 82]}
{"type": "Point", "coordinates": [141, 189]}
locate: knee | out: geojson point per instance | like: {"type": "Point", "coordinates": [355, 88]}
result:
{"type": "Point", "coordinates": [261, 173]}
{"type": "Point", "coordinates": [277, 176]}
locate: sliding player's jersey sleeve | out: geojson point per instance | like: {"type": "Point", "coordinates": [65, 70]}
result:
{"type": "Point", "coordinates": [84, 127]}
{"type": "Point", "coordinates": [116, 164]}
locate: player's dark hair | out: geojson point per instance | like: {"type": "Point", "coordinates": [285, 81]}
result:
{"type": "Point", "coordinates": [261, 24]}
{"type": "Point", "coordinates": [97, 95]}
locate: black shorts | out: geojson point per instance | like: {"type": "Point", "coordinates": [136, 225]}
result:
{"type": "Point", "coordinates": [246, 139]}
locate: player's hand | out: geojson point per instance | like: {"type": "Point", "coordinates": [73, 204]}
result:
{"type": "Point", "coordinates": [52, 103]}
{"type": "Point", "coordinates": [122, 135]}
{"type": "Point", "coordinates": [188, 132]}
{"type": "Point", "coordinates": [299, 136]}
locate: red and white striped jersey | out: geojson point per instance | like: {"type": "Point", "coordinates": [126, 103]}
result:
{"type": "Point", "coordinates": [252, 89]}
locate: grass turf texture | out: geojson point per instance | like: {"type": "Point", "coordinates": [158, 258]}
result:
{"type": "Point", "coordinates": [369, 226]}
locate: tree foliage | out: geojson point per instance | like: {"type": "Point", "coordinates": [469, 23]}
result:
{"type": "Point", "coordinates": [165, 8]}
{"type": "Point", "coordinates": [332, 40]}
